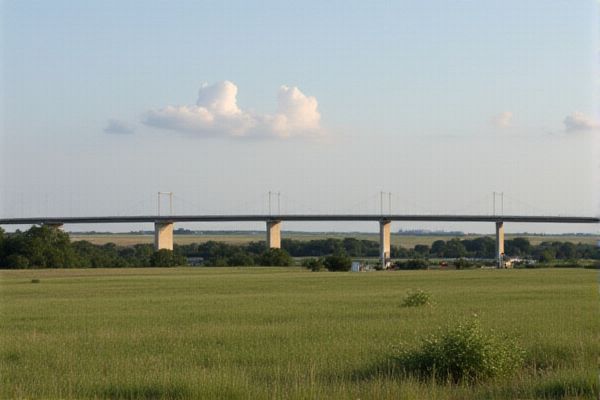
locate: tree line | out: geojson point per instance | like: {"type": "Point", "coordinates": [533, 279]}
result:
{"type": "Point", "coordinates": [47, 247]}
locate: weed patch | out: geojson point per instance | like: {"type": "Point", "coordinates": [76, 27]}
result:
{"type": "Point", "coordinates": [461, 354]}
{"type": "Point", "coordinates": [416, 298]}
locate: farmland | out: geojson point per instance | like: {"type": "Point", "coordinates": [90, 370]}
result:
{"type": "Point", "coordinates": [283, 332]}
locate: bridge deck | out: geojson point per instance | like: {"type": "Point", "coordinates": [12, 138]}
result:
{"type": "Point", "coordinates": [299, 217]}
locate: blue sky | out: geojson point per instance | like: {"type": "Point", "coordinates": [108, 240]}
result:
{"type": "Point", "coordinates": [438, 102]}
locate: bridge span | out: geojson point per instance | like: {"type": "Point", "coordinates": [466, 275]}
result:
{"type": "Point", "coordinates": [163, 224]}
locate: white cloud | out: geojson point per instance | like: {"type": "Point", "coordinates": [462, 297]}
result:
{"type": "Point", "coordinates": [118, 127]}
{"type": "Point", "coordinates": [216, 113]}
{"type": "Point", "coordinates": [503, 120]}
{"type": "Point", "coordinates": [578, 121]}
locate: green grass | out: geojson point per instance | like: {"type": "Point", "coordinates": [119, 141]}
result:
{"type": "Point", "coordinates": [266, 333]}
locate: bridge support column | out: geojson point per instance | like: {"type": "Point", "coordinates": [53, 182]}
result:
{"type": "Point", "coordinates": [274, 234]}
{"type": "Point", "coordinates": [500, 244]}
{"type": "Point", "coordinates": [384, 242]}
{"type": "Point", "coordinates": [163, 235]}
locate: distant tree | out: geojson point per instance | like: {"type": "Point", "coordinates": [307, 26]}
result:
{"type": "Point", "coordinates": [517, 247]}
{"type": "Point", "coordinates": [166, 258]}
{"type": "Point", "coordinates": [337, 262]}
{"type": "Point", "coordinates": [143, 253]}
{"type": "Point", "coordinates": [275, 257]}
{"type": "Point", "coordinates": [438, 247]}
{"type": "Point", "coordinates": [314, 264]}
{"type": "Point", "coordinates": [461, 263]}
{"type": "Point", "coordinates": [353, 246]}
{"type": "Point", "coordinates": [422, 249]}
{"type": "Point", "coordinates": [413, 264]}
{"type": "Point", "coordinates": [546, 256]}
{"type": "Point", "coordinates": [240, 258]}
{"type": "Point", "coordinates": [566, 250]}
{"type": "Point", "coordinates": [397, 252]}
{"type": "Point", "coordinates": [45, 246]}
{"type": "Point", "coordinates": [258, 247]}
{"type": "Point", "coordinates": [481, 247]}
{"type": "Point", "coordinates": [16, 261]}
{"type": "Point", "coordinates": [454, 249]}
{"type": "Point", "coordinates": [217, 262]}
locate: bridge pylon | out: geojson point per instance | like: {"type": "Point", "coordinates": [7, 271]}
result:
{"type": "Point", "coordinates": [274, 234]}
{"type": "Point", "coordinates": [500, 244]}
{"type": "Point", "coordinates": [385, 242]}
{"type": "Point", "coordinates": [163, 235]}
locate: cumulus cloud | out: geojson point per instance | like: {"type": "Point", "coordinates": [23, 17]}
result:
{"type": "Point", "coordinates": [216, 113]}
{"type": "Point", "coordinates": [118, 127]}
{"type": "Point", "coordinates": [503, 120]}
{"type": "Point", "coordinates": [578, 121]}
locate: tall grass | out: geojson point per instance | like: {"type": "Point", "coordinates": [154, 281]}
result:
{"type": "Point", "coordinates": [283, 333]}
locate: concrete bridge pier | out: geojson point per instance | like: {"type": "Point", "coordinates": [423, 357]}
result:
{"type": "Point", "coordinates": [500, 244]}
{"type": "Point", "coordinates": [385, 243]}
{"type": "Point", "coordinates": [274, 234]}
{"type": "Point", "coordinates": [163, 235]}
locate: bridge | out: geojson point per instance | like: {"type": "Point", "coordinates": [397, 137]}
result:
{"type": "Point", "coordinates": [163, 224]}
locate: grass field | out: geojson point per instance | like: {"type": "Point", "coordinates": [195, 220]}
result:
{"type": "Point", "coordinates": [407, 241]}
{"type": "Point", "coordinates": [275, 333]}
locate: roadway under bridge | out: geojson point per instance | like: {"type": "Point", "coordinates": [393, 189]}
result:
{"type": "Point", "coordinates": [163, 224]}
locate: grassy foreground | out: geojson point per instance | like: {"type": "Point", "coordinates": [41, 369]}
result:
{"type": "Point", "coordinates": [283, 333]}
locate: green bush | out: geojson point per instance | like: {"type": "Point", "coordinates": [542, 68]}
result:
{"type": "Point", "coordinates": [314, 264]}
{"type": "Point", "coordinates": [338, 262]}
{"type": "Point", "coordinates": [417, 263]}
{"type": "Point", "coordinates": [166, 258]}
{"type": "Point", "coordinates": [461, 263]}
{"type": "Point", "coordinates": [416, 298]}
{"type": "Point", "coordinates": [275, 257]}
{"type": "Point", "coordinates": [461, 354]}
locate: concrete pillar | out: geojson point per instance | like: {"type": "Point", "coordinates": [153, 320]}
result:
{"type": "Point", "coordinates": [274, 234]}
{"type": "Point", "coordinates": [163, 235]}
{"type": "Point", "coordinates": [384, 242]}
{"type": "Point", "coordinates": [500, 244]}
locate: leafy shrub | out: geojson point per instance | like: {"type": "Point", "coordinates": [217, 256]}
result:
{"type": "Point", "coordinates": [461, 354]}
{"type": "Point", "coordinates": [416, 298]}
{"type": "Point", "coordinates": [314, 264]}
{"type": "Point", "coordinates": [275, 257]}
{"type": "Point", "coordinates": [417, 263]}
{"type": "Point", "coordinates": [338, 262]}
{"type": "Point", "coordinates": [166, 258]}
{"type": "Point", "coordinates": [461, 263]}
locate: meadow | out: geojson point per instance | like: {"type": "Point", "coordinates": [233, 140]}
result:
{"type": "Point", "coordinates": [274, 333]}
